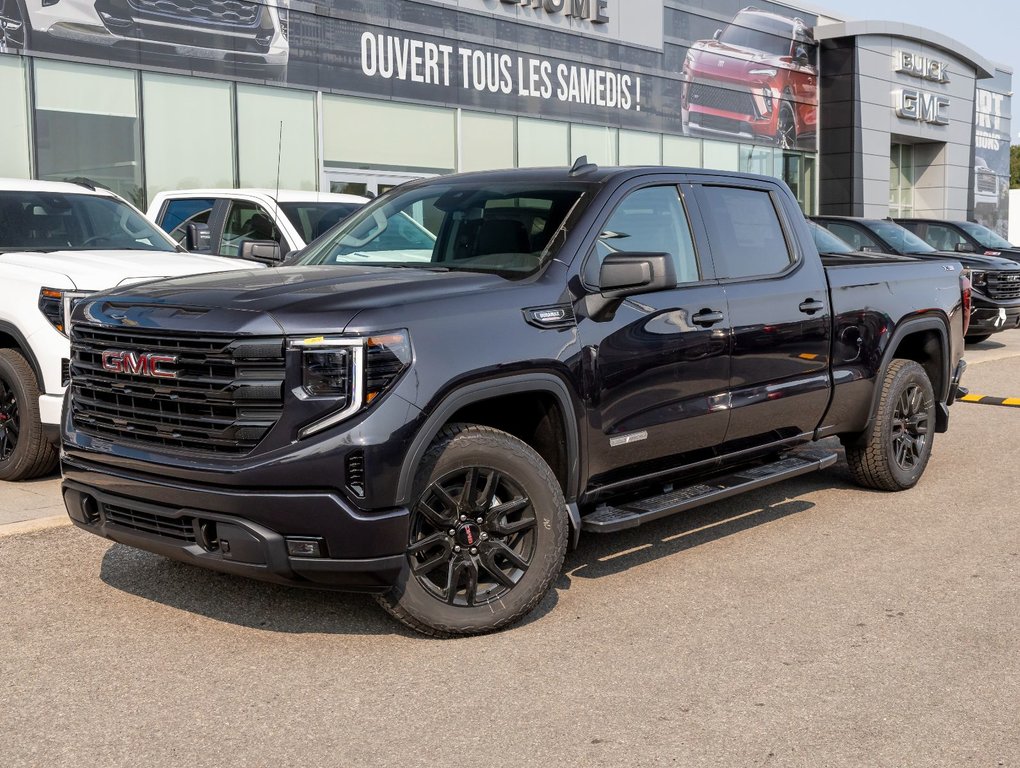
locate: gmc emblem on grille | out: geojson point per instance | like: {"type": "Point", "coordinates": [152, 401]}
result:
{"type": "Point", "coordinates": [139, 363]}
{"type": "Point", "coordinates": [1011, 278]}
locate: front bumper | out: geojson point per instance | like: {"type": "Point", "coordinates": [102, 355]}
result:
{"type": "Point", "coordinates": [237, 532]}
{"type": "Point", "coordinates": [990, 319]}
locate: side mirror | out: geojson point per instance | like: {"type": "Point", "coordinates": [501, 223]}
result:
{"type": "Point", "coordinates": [262, 251]}
{"type": "Point", "coordinates": [716, 35]}
{"type": "Point", "coordinates": [628, 274]}
{"type": "Point", "coordinates": [198, 238]}
{"type": "Point", "coordinates": [800, 55]}
{"type": "Point", "coordinates": [965, 248]}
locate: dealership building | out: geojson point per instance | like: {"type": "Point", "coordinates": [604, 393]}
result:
{"type": "Point", "coordinates": [868, 118]}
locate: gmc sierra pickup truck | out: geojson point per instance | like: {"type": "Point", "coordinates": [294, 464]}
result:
{"type": "Point", "coordinates": [436, 419]}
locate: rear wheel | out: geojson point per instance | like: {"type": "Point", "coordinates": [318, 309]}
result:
{"type": "Point", "coordinates": [893, 454]}
{"type": "Point", "coordinates": [24, 451]}
{"type": "Point", "coordinates": [488, 533]}
{"type": "Point", "coordinates": [786, 132]}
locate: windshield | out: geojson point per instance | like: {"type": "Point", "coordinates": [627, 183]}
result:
{"type": "Point", "coordinates": [313, 219]}
{"type": "Point", "coordinates": [900, 240]}
{"type": "Point", "coordinates": [46, 221]}
{"type": "Point", "coordinates": [984, 235]}
{"type": "Point", "coordinates": [777, 41]}
{"type": "Point", "coordinates": [505, 228]}
{"type": "Point", "coordinates": [826, 242]}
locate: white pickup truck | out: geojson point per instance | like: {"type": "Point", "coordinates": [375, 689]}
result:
{"type": "Point", "coordinates": [262, 225]}
{"type": "Point", "coordinates": [59, 242]}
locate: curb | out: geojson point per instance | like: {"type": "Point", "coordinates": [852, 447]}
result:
{"type": "Point", "coordinates": [31, 526]}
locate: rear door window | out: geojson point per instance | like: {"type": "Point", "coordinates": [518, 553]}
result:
{"type": "Point", "coordinates": [858, 239]}
{"type": "Point", "coordinates": [745, 232]}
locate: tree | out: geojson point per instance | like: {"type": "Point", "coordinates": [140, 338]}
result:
{"type": "Point", "coordinates": [1014, 167]}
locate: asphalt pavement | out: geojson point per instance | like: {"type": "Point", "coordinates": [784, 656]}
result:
{"type": "Point", "coordinates": [811, 623]}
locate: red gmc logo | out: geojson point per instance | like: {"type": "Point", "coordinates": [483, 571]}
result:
{"type": "Point", "coordinates": [139, 363]}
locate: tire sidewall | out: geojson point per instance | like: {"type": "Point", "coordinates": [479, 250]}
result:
{"type": "Point", "coordinates": [488, 449]}
{"type": "Point", "coordinates": [27, 396]}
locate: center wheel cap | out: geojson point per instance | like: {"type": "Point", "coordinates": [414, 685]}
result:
{"type": "Point", "coordinates": [468, 535]}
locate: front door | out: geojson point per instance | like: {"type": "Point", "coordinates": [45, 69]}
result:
{"type": "Point", "coordinates": [779, 311]}
{"type": "Point", "coordinates": [657, 372]}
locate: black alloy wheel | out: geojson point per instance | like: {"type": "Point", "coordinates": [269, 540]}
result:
{"type": "Point", "coordinates": [472, 536]}
{"type": "Point", "coordinates": [786, 132]}
{"type": "Point", "coordinates": [487, 533]}
{"type": "Point", "coordinates": [892, 453]}
{"type": "Point", "coordinates": [10, 421]}
{"type": "Point", "coordinates": [910, 428]}
{"type": "Point", "coordinates": [13, 28]}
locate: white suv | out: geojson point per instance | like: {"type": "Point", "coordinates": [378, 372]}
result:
{"type": "Point", "coordinates": [228, 222]}
{"type": "Point", "coordinates": [59, 242]}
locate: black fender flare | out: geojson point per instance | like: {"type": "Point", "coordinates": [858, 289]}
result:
{"type": "Point", "coordinates": [913, 325]}
{"type": "Point", "coordinates": [26, 350]}
{"type": "Point", "coordinates": [485, 390]}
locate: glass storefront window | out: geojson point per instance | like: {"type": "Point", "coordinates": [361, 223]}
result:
{"type": "Point", "coordinates": [638, 148]}
{"type": "Point", "coordinates": [276, 129]}
{"type": "Point", "coordinates": [87, 127]}
{"type": "Point", "coordinates": [361, 133]}
{"type": "Point", "coordinates": [542, 143]}
{"type": "Point", "coordinates": [901, 180]}
{"type": "Point", "coordinates": [798, 171]}
{"type": "Point", "coordinates": [754, 159]}
{"type": "Point", "coordinates": [14, 158]}
{"type": "Point", "coordinates": [721, 155]}
{"type": "Point", "coordinates": [189, 133]}
{"type": "Point", "coordinates": [595, 141]}
{"type": "Point", "coordinates": [486, 141]}
{"type": "Point", "coordinates": [681, 151]}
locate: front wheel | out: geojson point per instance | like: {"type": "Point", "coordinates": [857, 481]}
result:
{"type": "Point", "coordinates": [24, 450]}
{"type": "Point", "coordinates": [892, 454]}
{"type": "Point", "coordinates": [487, 535]}
{"type": "Point", "coordinates": [786, 131]}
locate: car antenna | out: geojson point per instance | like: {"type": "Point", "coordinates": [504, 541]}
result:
{"type": "Point", "coordinates": [581, 166]}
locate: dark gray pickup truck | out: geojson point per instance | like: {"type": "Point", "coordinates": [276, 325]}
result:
{"type": "Point", "coordinates": [474, 369]}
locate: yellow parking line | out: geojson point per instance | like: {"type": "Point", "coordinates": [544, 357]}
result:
{"type": "Point", "coordinates": [1013, 402]}
{"type": "Point", "coordinates": [972, 398]}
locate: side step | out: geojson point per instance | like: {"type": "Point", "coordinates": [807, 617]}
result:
{"type": "Point", "coordinates": [608, 519]}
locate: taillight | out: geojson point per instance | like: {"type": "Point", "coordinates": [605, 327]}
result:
{"type": "Point", "coordinates": [965, 296]}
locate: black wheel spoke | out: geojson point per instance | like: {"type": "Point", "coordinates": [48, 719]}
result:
{"type": "Point", "coordinates": [488, 560]}
{"type": "Point", "coordinates": [488, 493]}
{"type": "Point", "coordinates": [467, 494]}
{"type": "Point", "coordinates": [442, 519]}
{"type": "Point", "coordinates": [498, 548]}
{"type": "Point", "coordinates": [494, 514]}
{"type": "Point", "coordinates": [462, 571]}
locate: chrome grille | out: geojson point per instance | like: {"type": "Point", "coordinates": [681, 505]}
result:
{"type": "Point", "coordinates": [724, 99]}
{"type": "Point", "coordinates": [227, 395]}
{"type": "Point", "coordinates": [1003, 285]}
{"type": "Point", "coordinates": [234, 13]}
{"type": "Point", "coordinates": [987, 183]}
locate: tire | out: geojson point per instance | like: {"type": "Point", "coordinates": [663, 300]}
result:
{"type": "Point", "coordinates": [24, 451]}
{"type": "Point", "coordinates": [893, 453]}
{"type": "Point", "coordinates": [786, 130]}
{"type": "Point", "coordinates": [977, 338]}
{"type": "Point", "coordinates": [449, 586]}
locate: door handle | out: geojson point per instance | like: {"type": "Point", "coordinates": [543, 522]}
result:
{"type": "Point", "coordinates": [707, 317]}
{"type": "Point", "coordinates": [810, 306]}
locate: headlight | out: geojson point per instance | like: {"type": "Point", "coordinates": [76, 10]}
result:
{"type": "Point", "coordinates": [767, 72]}
{"type": "Point", "coordinates": [57, 304]}
{"type": "Point", "coordinates": [283, 14]}
{"type": "Point", "coordinates": [351, 372]}
{"type": "Point", "coordinates": [979, 279]}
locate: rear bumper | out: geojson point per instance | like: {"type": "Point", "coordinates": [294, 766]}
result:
{"type": "Point", "coordinates": [244, 534]}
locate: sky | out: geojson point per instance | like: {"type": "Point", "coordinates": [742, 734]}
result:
{"type": "Point", "coordinates": [989, 27]}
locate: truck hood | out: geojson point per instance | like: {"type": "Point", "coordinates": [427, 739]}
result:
{"type": "Point", "coordinates": [976, 260]}
{"type": "Point", "coordinates": [99, 270]}
{"type": "Point", "coordinates": [291, 300]}
{"type": "Point", "coordinates": [722, 61]}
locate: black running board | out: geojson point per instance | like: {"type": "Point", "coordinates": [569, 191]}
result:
{"type": "Point", "coordinates": [608, 519]}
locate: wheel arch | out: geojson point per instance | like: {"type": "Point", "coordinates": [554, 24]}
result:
{"type": "Point", "coordinates": [11, 338]}
{"type": "Point", "coordinates": [487, 403]}
{"type": "Point", "coordinates": [925, 340]}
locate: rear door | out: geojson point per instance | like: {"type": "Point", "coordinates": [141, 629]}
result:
{"type": "Point", "coordinates": [778, 305]}
{"type": "Point", "coordinates": [658, 370]}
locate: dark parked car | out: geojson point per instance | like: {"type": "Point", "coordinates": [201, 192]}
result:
{"type": "Point", "coordinates": [995, 278]}
{"type": "Point", "coordinates": [435, 420]}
